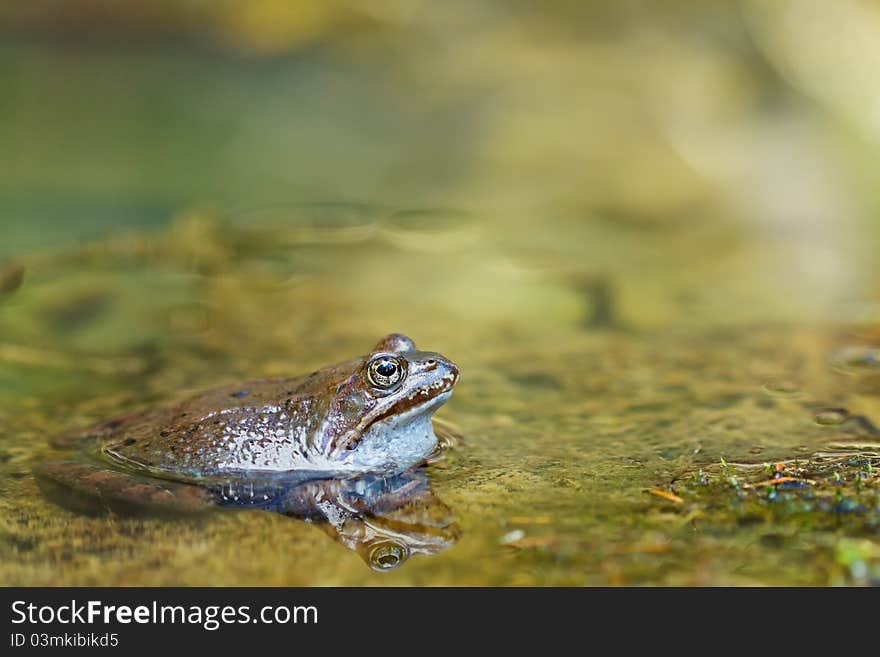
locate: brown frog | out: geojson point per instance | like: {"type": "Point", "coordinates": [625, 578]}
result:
{"type": "Point", "coordinates": [342, 444]}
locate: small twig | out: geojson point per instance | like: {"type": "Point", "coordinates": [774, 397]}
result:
{"type": "Point", "coordinates": [672, 497]}
{"type": "Point", "coordinates": [780, 480]}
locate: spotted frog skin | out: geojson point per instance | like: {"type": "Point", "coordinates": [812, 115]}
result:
{"type": "Point", "coordinates": [289, 445]}
{"type": "Point", "coordinates": [370, 414]}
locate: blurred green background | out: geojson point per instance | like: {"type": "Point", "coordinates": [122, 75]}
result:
{"type": "Point", "coordinates": [738, 125]}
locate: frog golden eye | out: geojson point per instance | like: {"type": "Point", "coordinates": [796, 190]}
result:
{"type": "Point", "coordinates": [385, 371]}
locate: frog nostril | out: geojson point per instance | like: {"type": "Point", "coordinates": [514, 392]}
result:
{"type": "Point", "coordinates": [431, 364]}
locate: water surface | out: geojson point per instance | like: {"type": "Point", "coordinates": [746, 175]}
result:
{"type": "Point", "coordinates": [636, 289]}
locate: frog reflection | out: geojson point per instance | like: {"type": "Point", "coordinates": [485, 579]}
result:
{"type": "Point", "coordinates": [386, 520]}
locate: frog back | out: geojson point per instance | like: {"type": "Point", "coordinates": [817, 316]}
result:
{"type": "Point", "coordinates": [243, 430]}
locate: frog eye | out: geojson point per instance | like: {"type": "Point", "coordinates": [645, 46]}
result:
{"type": "Point", "coordinates": [385, 371]}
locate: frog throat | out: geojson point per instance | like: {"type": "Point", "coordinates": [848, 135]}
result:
{"type": "Point", "coordinates": [423, 399]}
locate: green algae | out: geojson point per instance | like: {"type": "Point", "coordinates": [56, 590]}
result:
{"type": "Point", "coordinates": [560, 439]}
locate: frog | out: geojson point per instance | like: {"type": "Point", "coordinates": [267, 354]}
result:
{"type": "Point", "coordinates": [345, 444]}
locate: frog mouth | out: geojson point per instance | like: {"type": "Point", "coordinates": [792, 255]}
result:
{"type": "Point", "coordinates": [423, 399]}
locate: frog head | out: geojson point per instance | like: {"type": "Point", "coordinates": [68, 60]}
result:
{"type": "Point", "coordinates": [379, 418]}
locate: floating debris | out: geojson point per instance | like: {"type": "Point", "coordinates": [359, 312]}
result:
{"type": "Point", "coordinates": [776, 481]}
{"type": "Point", "coordinates": [816, 489]}
{"type": "Point", "coordinates": [671, 497]}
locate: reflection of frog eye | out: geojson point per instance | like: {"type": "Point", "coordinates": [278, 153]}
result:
{"type": "Point", "coordinates": [387, 555]}
{"type": "Point", "coordinates": [385, 371]}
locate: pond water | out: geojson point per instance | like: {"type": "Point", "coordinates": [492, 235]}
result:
{"type": "Point", "coordinates": [656, 289]}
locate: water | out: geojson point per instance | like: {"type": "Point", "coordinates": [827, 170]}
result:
{"type": "Point", "coordinates": [632, 299]}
